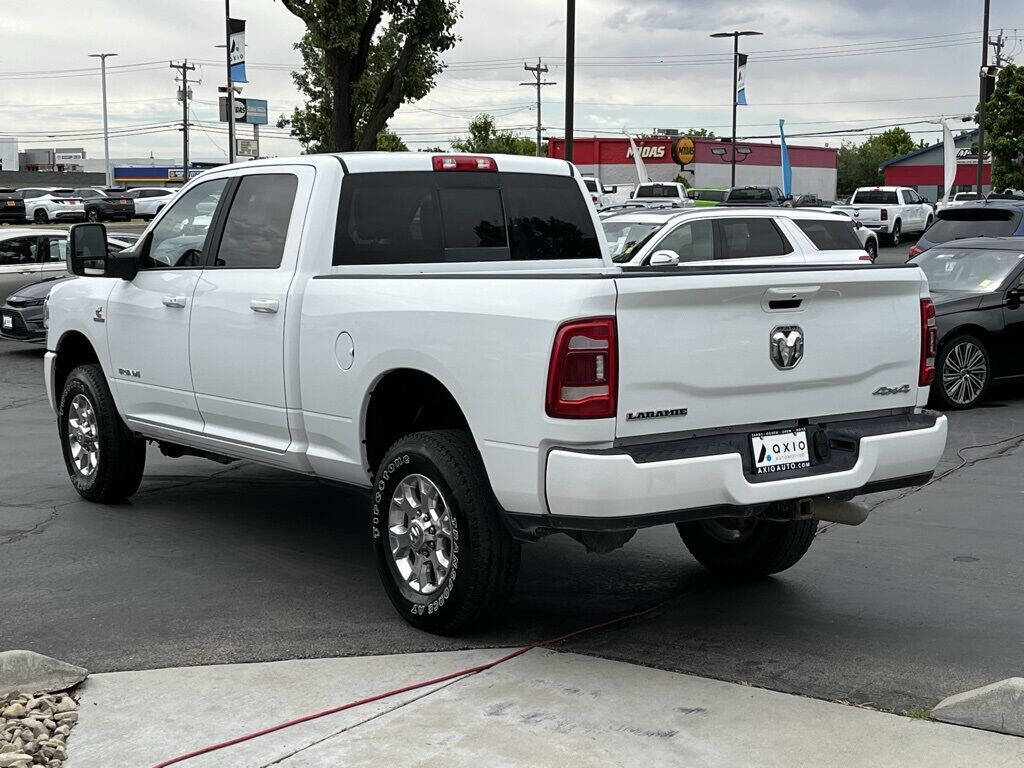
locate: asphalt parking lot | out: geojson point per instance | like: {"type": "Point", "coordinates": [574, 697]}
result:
{"type": "Point", "coordinates": [241, 563]}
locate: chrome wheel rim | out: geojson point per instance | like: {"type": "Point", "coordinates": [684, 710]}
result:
{"type": "Point", "coordinates": [729, 530]}
{"type": "Point", "coordinates": [83, 436]}
{"type": "Point", "coordinates": [420, 534]}
{"type": "Point", "coordinates": [896, 235]}
{"type": "Point", "coordinates": [964, 373]}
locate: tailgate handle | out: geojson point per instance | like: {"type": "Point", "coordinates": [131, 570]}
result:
{"type": "Point", "coordinates": [780, 299]}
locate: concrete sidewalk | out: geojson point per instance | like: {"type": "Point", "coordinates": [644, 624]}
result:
{"type": "Point", "coordinates": [541, 709]}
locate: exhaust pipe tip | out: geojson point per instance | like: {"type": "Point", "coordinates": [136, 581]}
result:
{"type": "Point", "coordinates": [835, 511]}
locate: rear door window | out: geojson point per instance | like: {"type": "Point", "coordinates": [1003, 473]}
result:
{"type": "Point", "coordinates": [972, 222]}
{"type": "Point", "coordinates": [751, 238]}
{"type": "Point", "coordinates": [423, 217]}
{"type": "Point", "coordinates": [830, 235]}
{"type": "Point", "coordinates": [257, 222]}
{"type": "Point", "coordinates": [874, 197]}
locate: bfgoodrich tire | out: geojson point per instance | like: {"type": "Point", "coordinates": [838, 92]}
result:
{"type": "Point", "coordinates": [446, 561]}
{"type": "Point", "coordinates": [104, 460]}
{"type": "Point", "coordinates": [742, 548]}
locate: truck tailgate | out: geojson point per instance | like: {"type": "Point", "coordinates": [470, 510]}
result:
{"type": "Point", "coordinates": [695, 348]}
{"type": "Point", "coordinates": [863, 213]}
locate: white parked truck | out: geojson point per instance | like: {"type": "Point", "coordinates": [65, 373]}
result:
{"type": "Point", "coordinates": [890, 211]}
{"type": "Point", "coordinates": [662, 192]}
{"type": "Point", "coordinates": [450, 333]}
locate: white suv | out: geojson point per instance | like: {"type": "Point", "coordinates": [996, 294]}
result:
{"type": "Point", "coordinates": [46, 204]}
{"type": "Point", "coordinates": [703, 236]}
{"type": "Point", "coordinates": [149, 200]}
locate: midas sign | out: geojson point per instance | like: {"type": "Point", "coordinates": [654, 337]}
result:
{"type": "Point", "coordinates": [658, 151]}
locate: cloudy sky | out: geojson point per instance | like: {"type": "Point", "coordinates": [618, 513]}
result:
{"type": "Point", "coordinates": [823, 65]}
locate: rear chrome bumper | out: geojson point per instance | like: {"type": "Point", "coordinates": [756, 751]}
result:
{"type": "Point", "coordinates": [649, 481]}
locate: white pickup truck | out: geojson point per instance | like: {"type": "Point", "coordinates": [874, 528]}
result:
{"type": "Point", "coordinates": [450, 333]}
{"type": "Point", "coordinates": [890, 211]}
{"type": "Point", "coordinates": [662, 192]}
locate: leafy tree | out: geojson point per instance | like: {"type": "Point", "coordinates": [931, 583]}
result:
{"type": "Point", "coordinates": [700, 133]}
{"type": "Point", "coordinates": [1004, 121]}
{"type": "Point", "coordinates": [859, 163]}
{"type": "Point", "coordinates": [389, 141]}
{"type": "Point", "coordinates": [484, 137]}
{"type": "Point", "coordinates": [362, 59]}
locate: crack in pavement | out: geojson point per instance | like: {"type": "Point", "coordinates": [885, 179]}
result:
{"type": "Point", "coordinates": [38, 527]}
{"type": "Point", "coordinates": [370, 719]}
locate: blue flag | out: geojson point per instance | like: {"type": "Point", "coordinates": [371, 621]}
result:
{"type": "Point", "coordinates": [741, 78]}
{"type": "Point", "coordinates": [787, 170]}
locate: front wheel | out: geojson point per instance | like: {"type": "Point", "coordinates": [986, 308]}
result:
{"type": "Point", "coordinates": [104, 459]}
{"type": "Point", "coordinates": [40, 216]}
{"type": "Point", "coordinates": [445, 558]}
{"type": "Point", "coordinates": [872, 248]}
{"type": "Point", "coordinates": [93, 215]}
{"type": "Point", "coordinates": [747, 548]}
{"type": "Point", "coordinates": [896, 234]}
{"type": "Point", "coordinates": [963, 372]}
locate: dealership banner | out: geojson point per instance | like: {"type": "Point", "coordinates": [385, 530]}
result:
{"type": "Point", "coordinates": [236, 45]}
{"type": "Point", "coordinates": [741, 79]}
{"type": "Point", "coordinates": [787, 169]}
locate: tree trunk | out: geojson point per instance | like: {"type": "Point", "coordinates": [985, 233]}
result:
{"type": "Point", "coordinates": [342, 130]}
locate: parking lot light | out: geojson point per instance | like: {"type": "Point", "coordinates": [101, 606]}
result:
{"type": "Point", "coordinates": [106, 136]}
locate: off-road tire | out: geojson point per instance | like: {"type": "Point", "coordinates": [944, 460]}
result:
{"type": "Point", "coordinates": [770, 547]}
{"type": "Point", "coordinates": [485, 561]}
{"type": "Point", "coordinates": [122, 455]}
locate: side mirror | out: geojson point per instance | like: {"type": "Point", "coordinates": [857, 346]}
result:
{"type": "Point", "coordinates": [87, 246]}
{"type": "Point", "coordinates": [1015, 296]}
{"type": "Point", "coordinates": [664, 259]}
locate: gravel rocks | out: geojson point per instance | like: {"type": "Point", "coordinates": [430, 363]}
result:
{"type": "Point", "coordinates": [34, 729]}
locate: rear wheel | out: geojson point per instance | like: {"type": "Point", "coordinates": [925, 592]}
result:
{"type": "Point", "coordinates": [963, 372]}
{"type": "Point", "coordinates": [896, 234]}
{"type": "Point", "coordinates": [747, 548]}
{"type": "Point", "coordinates": [104, 459]}
{"type": "Point", "coordinates": [445, 559]}
{"type": "Point", "coordinates": [41, 216]}
{"type": "Point", "coordinates": [93, 214]}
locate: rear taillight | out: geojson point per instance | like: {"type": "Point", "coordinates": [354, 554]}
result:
{"type": "Point", "coordinates": [464, 163]}
{"type": "Point", "coordinates": [582, 377]}
{"type": "Point", "coordinates": [885, 214]}
{"type": "Point", "coordinates": [914, 251]}
{"type": "Point", "coordinates": [929, 343]}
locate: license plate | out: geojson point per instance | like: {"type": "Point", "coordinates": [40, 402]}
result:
{"type": "Point", "coordinates": [8, 322]}
{"type": "Point", "coordinates": [780, 451]}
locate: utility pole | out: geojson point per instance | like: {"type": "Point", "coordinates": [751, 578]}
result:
{"type": "Point", "coordinates": [106, 135]}
{"type": "Point", "coordinates": [231, 89]}
{"type": "Point", "coordinates": [538, 71]}
{"type": "Point", "coordinates": [184, 94]}
{"type": "Point", "coordinates": [982, 76]}
{"type": "Point", "coordinates": [570, 73]}
{"type": "Point", "coordinates": [998, 45]}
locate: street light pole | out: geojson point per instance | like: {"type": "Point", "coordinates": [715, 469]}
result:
{"type": "Point", "coordinates": [231, 90]}
{"type": "Point", "coordinates": [106, 135]}
{"type": "Point", "coordinates": [735, 35]}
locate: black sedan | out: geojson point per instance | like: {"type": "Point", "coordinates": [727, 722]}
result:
{"type": "Point", "coordinates": [978, 289]}
{"type": "Point", "coordinates": [21, 316]}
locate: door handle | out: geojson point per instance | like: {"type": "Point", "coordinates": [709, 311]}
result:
{"type": "Point", "coordinates": [267, 306]}
{"type": "Point", "coordinates": [175, 302]}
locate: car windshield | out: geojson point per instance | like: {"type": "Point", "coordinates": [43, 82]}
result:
{"type": "Point", "coordinates": [970, 270]}
{"type": "Point", "coordinates": [874, 197]}
{"type": "Point", "coordinates": [750, 194]}
{"type": "Point", "coordinates": [625, 238]}
{"type": "Point", "coordinates": [967, 196]}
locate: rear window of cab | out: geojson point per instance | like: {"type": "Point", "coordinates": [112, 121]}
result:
{"type": "Point", "coordinates": [417, 217]}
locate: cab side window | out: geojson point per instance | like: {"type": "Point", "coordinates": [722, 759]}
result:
{"type": "Point", "coordinates": [179, 240]}
{"type": "Point", "coordinates": [257, 222]}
